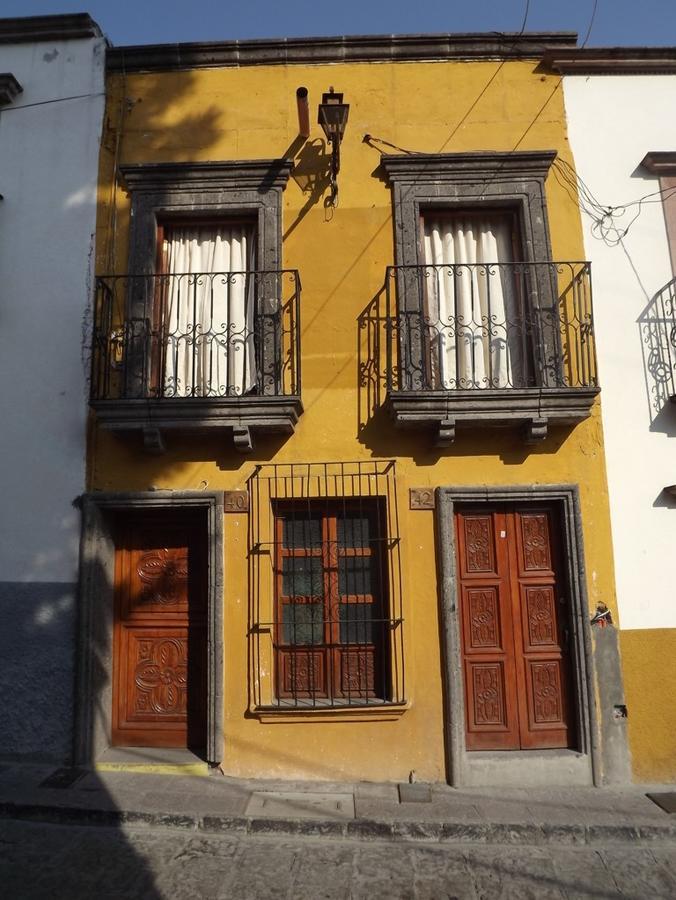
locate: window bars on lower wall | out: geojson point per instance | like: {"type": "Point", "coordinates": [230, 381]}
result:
{"type": "Point", "coordinates": [325, 616]}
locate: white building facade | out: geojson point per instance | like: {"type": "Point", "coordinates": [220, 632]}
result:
{"type": "Point", "coordinates": [51, 109]}
{"type": "Point", "coordinates": [622, 130]}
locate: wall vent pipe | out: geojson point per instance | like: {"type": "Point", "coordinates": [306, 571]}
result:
{"type": "Point", "coordinates": [303, 112]}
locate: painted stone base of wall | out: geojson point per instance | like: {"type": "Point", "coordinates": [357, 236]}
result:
{"type": "Point", "coordinates": [37, 629]}
{"type": "Point", "coordinates": [649, 663]}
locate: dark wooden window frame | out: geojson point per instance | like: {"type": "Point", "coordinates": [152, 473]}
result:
{"type": "Point", "coordinates": [331, 647]}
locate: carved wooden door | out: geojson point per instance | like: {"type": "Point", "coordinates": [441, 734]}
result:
{"type": "Point", "coordinates": [514, 627]}
{"type": "Point", "coordinates": [159, 653]}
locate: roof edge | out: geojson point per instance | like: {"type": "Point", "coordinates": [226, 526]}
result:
{"type": "Point", "coordinates": [612, 61]}
{"type": "Point", "coordinates": [660, 162]}
{"type": "Point", "coordinates": [31, 29]}
{"type": "Point", "coordinates": [345, 48]}
{"type": "Point", "coordinates": [9, 88]}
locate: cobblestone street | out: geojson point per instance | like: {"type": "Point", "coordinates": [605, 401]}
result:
{"type": "Point", "coordinates": [55, 861]}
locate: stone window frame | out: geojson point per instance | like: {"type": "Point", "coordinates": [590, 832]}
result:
{"type": "Point", "coordinates": [231, 188]}
{"type": "Point", "coordinates": [93, 716]}
{"type": "Point", "coordinates": [478, 181]}
{"type": "Point", "coordinates": [464, 767]}
{"type": "Point", "coordinates": [239, 188]}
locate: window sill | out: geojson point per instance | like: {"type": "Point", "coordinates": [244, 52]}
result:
{"type": "Point", "coordinates": [534, 408]}
{"type": "Point", "coordinates": [381, 712]}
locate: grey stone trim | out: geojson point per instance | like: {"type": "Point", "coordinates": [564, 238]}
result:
{"type": "Point", "coordinates": [240, 174]}
{"type": "Point", "coordinates": [231, 415]}
{"type": "Point", "coordinates": [347, 48]}
{"type": "Point", "coordinates": [481, 180]}
{"type": "Point", "coordinates": [465, 767]}
{"type": "Point", "coordinates": [95, 629]}
{"type": "Point", "coordinates": [28, 29]}
{"type": "Point", "coordinates": [534, 408]}
{"type": "Point", "coordinates": [660, 162]}
{"type": "Point", "coordinates": [236, 187]}
{"type": "Point", "coordinates": [614, 739]}
{"type": "Point", "coordinates": [9, 88]}
{"type": "Point", "coordinates": [612, 61]}
{"type": "Point", "coordinates": [469, 180]}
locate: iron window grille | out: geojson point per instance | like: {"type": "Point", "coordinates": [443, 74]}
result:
{"type": "Point", "coordinates": [326, 623]}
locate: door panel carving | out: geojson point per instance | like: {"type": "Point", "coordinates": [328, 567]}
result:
{"type": "Point", "coordinates": [488, 690]}
{"type": "Point", "coordinates": [479, 544]}
{"type": "Point", "coordinates": [540, 616]}
{"type": "Point", "coordinates": [484, 619]}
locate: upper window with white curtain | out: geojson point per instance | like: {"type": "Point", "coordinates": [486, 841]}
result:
{"type": "Point", "coordinates": [473, 300]}
{"type": "Point", "coordinates": [207, 308]}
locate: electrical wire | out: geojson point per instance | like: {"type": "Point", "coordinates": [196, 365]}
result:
{"type": "Point", "coordinates": [14, 108]}
{"type": "Point", "coordinates": [591, 25]}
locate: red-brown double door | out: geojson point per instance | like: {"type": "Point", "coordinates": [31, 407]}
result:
{"type": "Point", "coordinates": [514, 629]}
{"type": "Point", "coordinates": [159, 640]}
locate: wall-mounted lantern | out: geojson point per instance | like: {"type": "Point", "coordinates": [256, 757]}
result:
{"type": "Point", "coordinates": [332, 117]}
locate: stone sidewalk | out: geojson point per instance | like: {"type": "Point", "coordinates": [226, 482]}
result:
{"type": "Point", "coordinates": [433, 813]}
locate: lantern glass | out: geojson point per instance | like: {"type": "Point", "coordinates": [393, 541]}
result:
{"type": "Point", "coordinates": [333, 115]}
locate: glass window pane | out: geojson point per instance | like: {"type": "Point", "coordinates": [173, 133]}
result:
{"type": "Point", "coordinates": [353, 530]}
{"type": "Point", "coordinates": [302, 576]}
{"type": "Point", "coordinates": [299, 532]}
{"type": "Point", "coordinates": [303, 623]}
{"type": "Point", "coordinates": [355, 575]}
{"type": "Point", "coordinates": [356, 623]}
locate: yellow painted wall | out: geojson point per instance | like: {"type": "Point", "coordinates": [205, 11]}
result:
{"type": "Point", "coordinates": [249, 113]}
{"type": "Point", "coordinates": [649, 663]}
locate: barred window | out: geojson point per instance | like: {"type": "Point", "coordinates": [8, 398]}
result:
{"type": "Point", "coordinates": [334, 634]}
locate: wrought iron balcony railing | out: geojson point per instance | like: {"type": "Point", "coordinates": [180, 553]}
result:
{"type": "Point", "coordinates": [221, 343]}
{"type": "Point", "coordinates": [479, 342]}
{"type": "Point", "coordinates": [658, 334]}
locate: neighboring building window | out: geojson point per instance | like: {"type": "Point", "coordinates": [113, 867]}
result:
{"type": "Point", "coordinates": [331, 585]}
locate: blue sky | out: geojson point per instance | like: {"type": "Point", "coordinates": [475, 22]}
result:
{"type": "Point", "coordinates": [617, 22]}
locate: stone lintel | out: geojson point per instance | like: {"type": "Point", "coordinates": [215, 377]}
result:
{"type": "Point", "coordinates": [477, 166]}
{"type": "Point", "coordinates": [189, 177]}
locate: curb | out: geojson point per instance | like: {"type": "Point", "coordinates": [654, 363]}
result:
{"type": "Point", "coordinates": [354, 829]}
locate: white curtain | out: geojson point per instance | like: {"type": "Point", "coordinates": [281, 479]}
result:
{"type": "Point", "coordinates": [209, 311]}
{"type": "Point", "coordinates": [471, 305]}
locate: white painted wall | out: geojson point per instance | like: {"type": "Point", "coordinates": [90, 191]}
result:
{"type": "Point", "coordinates": [613, 121]}
{"type": "Point", "coordinates": [48, 173]}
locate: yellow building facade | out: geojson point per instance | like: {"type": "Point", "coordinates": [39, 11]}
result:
{"type": "Point", "coordinates": [397, 574]}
